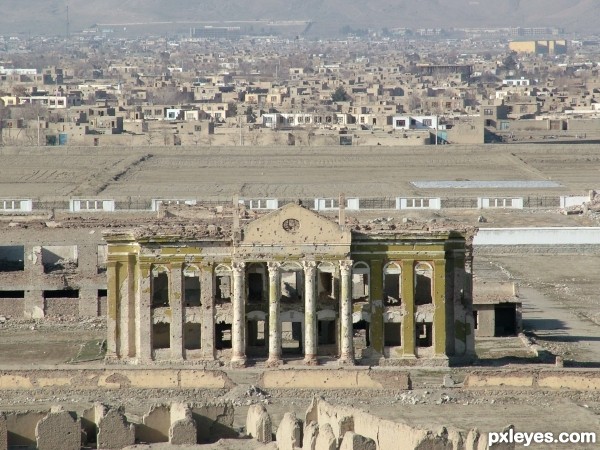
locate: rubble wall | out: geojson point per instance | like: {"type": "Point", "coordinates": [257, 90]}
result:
{"type": "Point", "coordinates": [334, 379]}
{"type": "Point", "coordinates": [114, 379]}
{"type": "Point", "coordinates": [581, 380]}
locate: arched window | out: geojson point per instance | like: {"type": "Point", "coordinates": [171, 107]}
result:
{"type": "Point", "coordinates": [160, 286]}
{"type": "Point", "coordinates": [191, 286]}
{"type": "Point", "coordinates": [392, 284]}
{"type": "Point", "coordinates": [423, 284]}
{"type": "Point", "coordinates": [223, 283]}
{"type": "Point", "coordinates": [360, 281]}
{"type": "Point", "coordinates": [291, 281]}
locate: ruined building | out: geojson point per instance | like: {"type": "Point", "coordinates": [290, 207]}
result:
{"type": "Point", "coordinates": [289, 285]}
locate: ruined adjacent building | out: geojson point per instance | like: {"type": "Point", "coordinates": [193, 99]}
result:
{"type": "Point", "coordinates": [289, 285]}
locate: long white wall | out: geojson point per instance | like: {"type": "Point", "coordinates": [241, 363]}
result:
{"type": "Point", "coordinates": [538, 236]}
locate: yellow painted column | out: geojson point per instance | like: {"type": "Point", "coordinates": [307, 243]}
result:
{"type": "Point", "coordinates": [408, 300]}
{"type": "Point", "coordinates": [112, 321]}
{"type": "Point", "coordinates": [439, 302]}
{"type": "Point", "coordinates": [376, 295]}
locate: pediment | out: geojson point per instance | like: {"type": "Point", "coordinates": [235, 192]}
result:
{"type": "Point", "coordinates": [294, 225]}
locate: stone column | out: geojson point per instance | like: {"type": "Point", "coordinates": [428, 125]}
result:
{"type": "Point", "coordinates": [207, 299]}
{"type": "Point", "coordinates": [238, 329]}
{"type": "Point", "coordinates": [274, 322]}
{"type": "Point", "coordinates": [346, 331]}
{"type": "Point", "coordinates": [310, 313]}
{"type": "Point", "coordinates": [439, 303]}
{"type": "Point", "coordinates": [408, 299]}
{"type": "Point", "coordinates": [176, 305]}
{"type": "Point", "coordinates": [144, 315]}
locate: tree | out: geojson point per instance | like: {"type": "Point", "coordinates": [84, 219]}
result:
{"type": "Point", "coordinates": [340, 95]}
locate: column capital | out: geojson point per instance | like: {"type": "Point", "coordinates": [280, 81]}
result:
{"type": "Point", "coordinates": [346, 265]}
{"type": "Point", "coordinates": [274, 267]}
{"type": "Point", "coordinates": [309, 265]}
{"type": "Point", "coordinates": [238, 266]}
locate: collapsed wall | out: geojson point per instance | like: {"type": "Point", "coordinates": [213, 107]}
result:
{"type": "Point", "coordinates": [330, 427]}
{"type": "Point", "coordinates": [109, 428]}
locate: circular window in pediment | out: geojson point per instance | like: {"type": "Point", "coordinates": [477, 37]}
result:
{"type": "Point", "coordinates": [291, 225]}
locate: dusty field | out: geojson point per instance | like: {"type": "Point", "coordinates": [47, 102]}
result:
{"type": "Point", "coordinates": [290, 172]}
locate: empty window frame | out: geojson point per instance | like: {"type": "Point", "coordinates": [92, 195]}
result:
{"type": "Point", "coordinates": [12, 258]}
{"type": "Point", "coordinates": [222, 335]}
{"type": "Point", "coordinates": [326, 332]}
{"type": "Point", "coordinates": [291, 282]}
{"type": "Point", "coordinates": [192, 333]}
{"type": "Point", "coordinates": [102, 258]}
{"type": "Point", "coordinates": [424, 332]}
{"type": "Point", "coordinates": [160, 287]}
{"type": "Point", "coordinates": [423, 284]}
{"type": "Point", "coordinates": [326, 281]}
{"type": "Point", "coordinates": [257, 333]}
{"type": "Point", "coordinates": [392, 334]}
{"type": "Point", "coordinates": [256, 274]}
{"type": "Point", "coordinates": [291, 337]}
{"type": "Point", "coordinates": [223, 283]}
{"type": "Point", "coordinates": [161, 335]}
{"type": "Point", "coordinates": [59, 258]}
{"type": "Point", "coordinates": [12, 294]}
{"type": "Point", "coordinates": [361, 334]}
{"type": "Point", "coordinates": [191, 286]}
{"type": "Point", "coordinates": [392, 284]}
{"type": "Point", "coordinates": [360, 282]}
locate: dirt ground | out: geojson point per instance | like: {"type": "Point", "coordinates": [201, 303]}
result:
{"type": "Point", "coordinates": [292, 172]}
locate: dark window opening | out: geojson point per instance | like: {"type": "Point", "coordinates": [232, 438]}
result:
{"type": "Point", "coordinates": [62, 293]}
{"type": "Point", "coordinates": [161, 335]}
{"type": "Point", "coordinates": [160, 290]}
{"type": "Point", "coordinates": [424, 334]}
{"type": "Point", "coordinates": [361, 333]}
{"type": "Point", "coordinates": [392, 295]}
{"type": "Point", "coordinates": [392, 334]}
{"type": "Point", "coordinates": [12, 258]}
{"type": "Point", "coordinates": [326, 285]}
{"type": "Point", "coordinates": [102, 301]}
{"type": "Point", "coordinates": [476, 320]}
{"type": "Point", "coordinates": [192, 336]}
{"type": "Point", "coordinates": [12, 294]}
{"type": "Point", "coordinates": [222, 335]}
{"type": "Point", "coordinates": [192, 291]}
{"type": "Point", "coordinates": [326, 332]}
{"type": "Point", "coordinates": [255, 287]}
{"type": "Point", "coordinates": [224, 288]}
{"type": "Point", "coordinates": [423, 290]}
{"type": "Point", "coordinates": [291, 337]}
{"type": "Point", "coordinates": [505, 320]}
{"type": "Point", "coordinates": [257, 333]}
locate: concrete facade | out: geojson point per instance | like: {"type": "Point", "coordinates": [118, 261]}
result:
{"type": "Point", "coordinates": [289, 284]}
